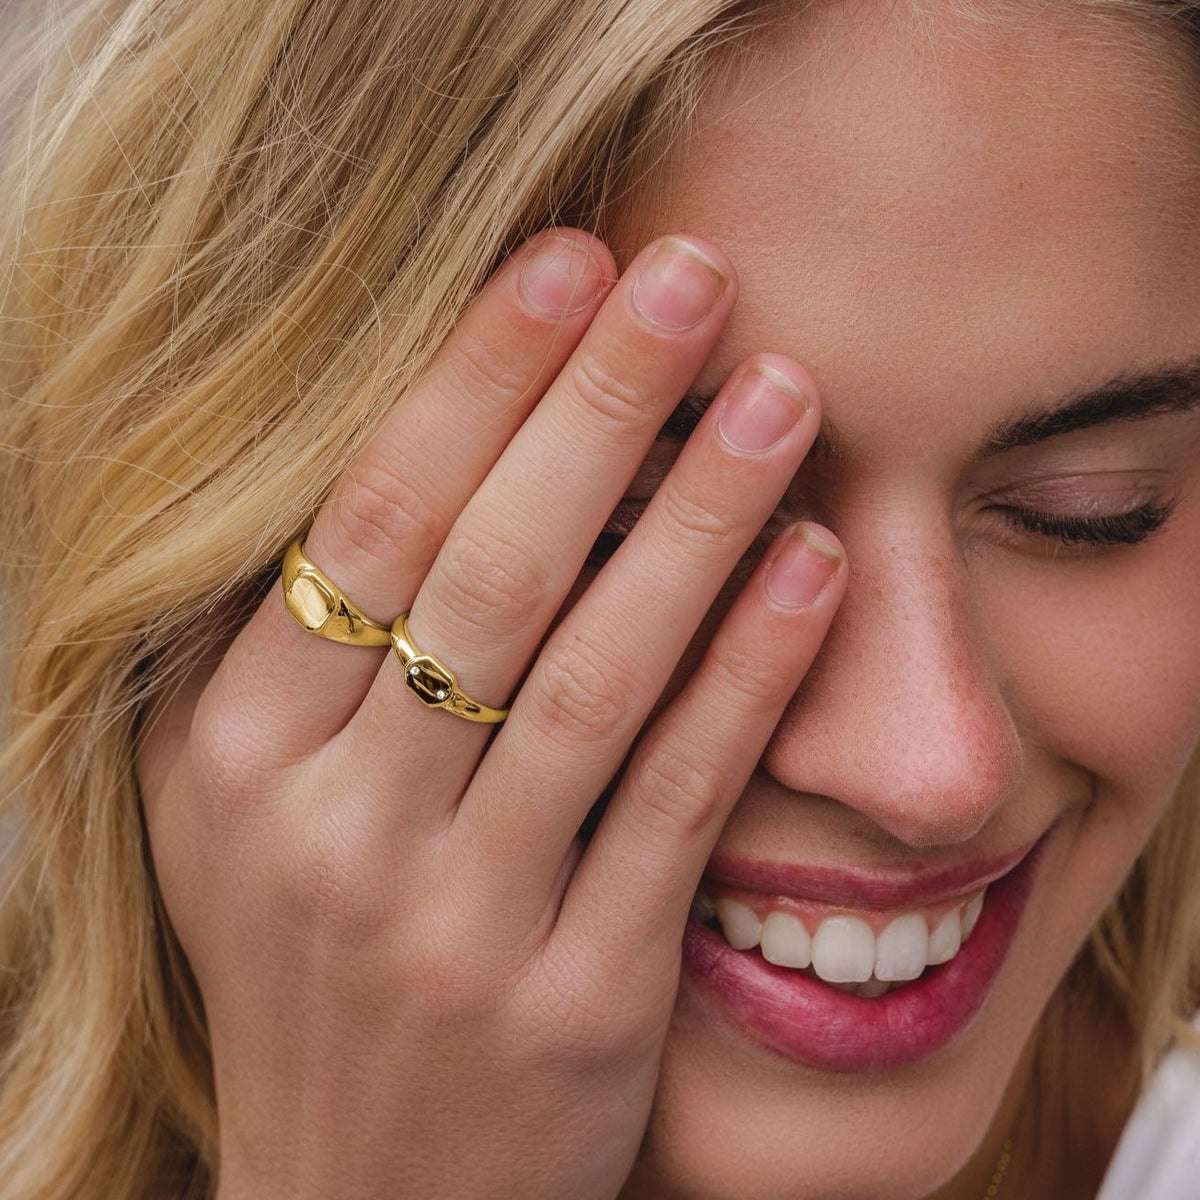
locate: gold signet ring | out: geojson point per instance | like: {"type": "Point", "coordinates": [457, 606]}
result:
{"type": "Point", "coordinates": [322, 608]}
{"type": "Point", "coordinates": [434, 683]}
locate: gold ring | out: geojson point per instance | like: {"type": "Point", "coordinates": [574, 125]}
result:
{"type": "Point", "coordinates": [434, 683]}
{"type": "Point", "coordinates": [321, 607]}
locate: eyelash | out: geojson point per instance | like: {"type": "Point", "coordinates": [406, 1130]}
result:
{"type": "Point", "coordinates": [1120, 529]}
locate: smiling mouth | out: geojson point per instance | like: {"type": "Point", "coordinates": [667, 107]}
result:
{"type": "Point", "coordinates": [858, 989]}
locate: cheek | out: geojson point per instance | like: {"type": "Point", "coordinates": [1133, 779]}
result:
{"type": "Point", "coordinates": [1100, 662]}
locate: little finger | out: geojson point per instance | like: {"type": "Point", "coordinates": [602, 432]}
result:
{"type": "Point", "coordinates": [693, 763]}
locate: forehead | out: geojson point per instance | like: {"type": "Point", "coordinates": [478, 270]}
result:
{"type": "Point", "coordinates": [1014, 192]}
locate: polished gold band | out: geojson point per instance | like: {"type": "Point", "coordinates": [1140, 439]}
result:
{"type": "Point", "coordinates": [434, 683]}
{"type": "Point", "coordinates": [321, 607]}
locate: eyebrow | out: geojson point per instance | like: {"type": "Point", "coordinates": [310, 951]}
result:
{"type": "Point", "coordinates": [1170, 388]}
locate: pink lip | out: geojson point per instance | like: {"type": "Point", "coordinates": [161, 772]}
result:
{"type": "Point", "coordinates": [821, 1027]}
{"type": "Point", "coordinates": [911, 887]}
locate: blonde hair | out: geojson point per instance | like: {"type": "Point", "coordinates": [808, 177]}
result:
{"type": "Point", "coordinates": [236, 234]}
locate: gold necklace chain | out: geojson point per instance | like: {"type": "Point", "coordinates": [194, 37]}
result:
{"type": "Point", "coordinates": [993, 1188]}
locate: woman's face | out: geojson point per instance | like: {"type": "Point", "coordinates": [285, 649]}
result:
{"type": "Point", "coordinates": [961, 227]}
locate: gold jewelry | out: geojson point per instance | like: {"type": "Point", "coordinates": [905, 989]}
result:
{"type": "Point", "coordinates": [993, 1188]}
{"type": "Point", "coordinates": [321, 607]}
{"type": "Point", "coordinates": [433, 682]}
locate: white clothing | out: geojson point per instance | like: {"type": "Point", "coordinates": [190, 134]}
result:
{"type": "Point", "coordinates": [1158, 1156]}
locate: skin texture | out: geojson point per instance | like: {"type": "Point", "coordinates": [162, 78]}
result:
{"type": "Point", "coordinates": [948, 223]}
{"type": "Point", "coordinates": [951, 225]}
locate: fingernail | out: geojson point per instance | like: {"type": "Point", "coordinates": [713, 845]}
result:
{"type": "Point", "coordinates": [762, 409]}
{"type": "Point", "coordinates": [678, 285]}
{"type": "Point", "coordinates": [562, 277]}
{"type": "Point", "coordinates": [804, 565]}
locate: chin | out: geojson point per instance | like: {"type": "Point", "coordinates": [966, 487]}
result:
{"type": "Point", "coordinates": [733, 1125]}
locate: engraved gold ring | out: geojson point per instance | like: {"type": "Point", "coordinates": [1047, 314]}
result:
{"type": "Point", "coordinates": [434, 683]}
{"type": "Point", "coordinates": [322, 607]}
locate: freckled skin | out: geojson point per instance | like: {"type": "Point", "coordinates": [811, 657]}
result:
{"type": "Point", "coordinates": [951, 222]}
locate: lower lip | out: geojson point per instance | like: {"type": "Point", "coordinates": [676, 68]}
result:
{"type": "Point", "coordinates": [821, 1027]}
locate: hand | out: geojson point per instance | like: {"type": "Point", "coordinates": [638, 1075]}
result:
{"type": "Point", "coordinates": [417, 979]}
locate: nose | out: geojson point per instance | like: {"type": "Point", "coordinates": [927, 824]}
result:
{"type": "Point", "coordinates": [902, 716]}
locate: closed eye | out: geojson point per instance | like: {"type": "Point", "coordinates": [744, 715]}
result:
{"type": "Point", "coordinates": [1117, 529]}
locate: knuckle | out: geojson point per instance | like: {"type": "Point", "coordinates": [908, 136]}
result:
{"type": "Point", "coordinates": [585, 1029]}
{"type": "Point", "coordinates": [695, 517]}
{"type": "Point", "coordinates": [457, 978]}
{"type": "Point", "coordinates": [677, 791]}
{"type": "Point", "coordinates": [574, 1003]}
{"type": "Point", "coordinates": [603, 393]}
{"type": "Point", "coordinates": [453, 991]}
{"type": "Point", "coordinates": [743, 677]}
{"type": "Point", "coordinates": [580, 1032]}
{"type": "Point", "coordinates": [485, 365]}
{"type": "Point", "coordinates": [330, 888]}
{"type": "Point", "coordinates": [491, 582]}
{"type": "Point", "coordinates": [238, 777]}
{"type": "Point", "coordinates": [382, 508]}
{"type": "Point", "coordinates": [581, 692]}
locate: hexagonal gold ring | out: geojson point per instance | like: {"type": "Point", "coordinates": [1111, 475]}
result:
{"type": "Point", "coordinates": [434, 684]}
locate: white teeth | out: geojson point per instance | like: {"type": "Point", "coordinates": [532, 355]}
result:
{"type": "Point", "coordinates": [901, 949]}
{"type": "Point", "coordinates": [945, 939]}
{"type": "Point", "coordinates": [971, 913]}
{"type": "Point", "coordinates": [739, 924]}
{"type": "Point", "coordinates": [785, 941]}
{"type": "Point", "coordinates": [873, 988]}
{"type": "Point", "coordinates": [843, 950]}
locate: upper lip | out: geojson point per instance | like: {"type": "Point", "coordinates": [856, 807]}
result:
{"type": "Point", "coordinates": [893, 887]}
